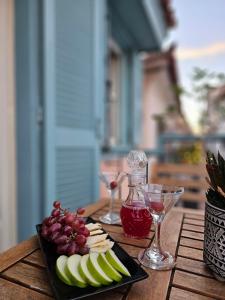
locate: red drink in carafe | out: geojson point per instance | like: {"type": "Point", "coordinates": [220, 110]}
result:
{"type": "Point", "coordinates": [136, 220]}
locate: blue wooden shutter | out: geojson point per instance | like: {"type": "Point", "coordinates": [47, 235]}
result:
{"type": "Point", "coordinates": [136, 94]}
{"type": "Point", "coordinates": [73, 94]}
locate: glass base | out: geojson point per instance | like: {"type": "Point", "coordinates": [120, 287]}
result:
{"type": "Point", "coordinates": [110, 218]}
{"type": "Point", "coordinates": [152, 258]}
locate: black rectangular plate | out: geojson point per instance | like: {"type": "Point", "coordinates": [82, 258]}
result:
{"type": "Point", "coordinates": [65, 292]}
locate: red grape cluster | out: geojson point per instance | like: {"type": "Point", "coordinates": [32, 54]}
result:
{"type": "Point", "coordinates": [67, 230]}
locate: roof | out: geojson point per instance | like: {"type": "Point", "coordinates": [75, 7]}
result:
{"type": "Point", "coordinates": [168, 13]}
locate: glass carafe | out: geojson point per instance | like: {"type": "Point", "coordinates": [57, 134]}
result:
{"type": "Point", "coordinates": [135, 216]}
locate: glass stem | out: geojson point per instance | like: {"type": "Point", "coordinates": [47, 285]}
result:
{"type": "Point", "coordinates": [156, 242]}
{"type": "Point", "coordinates": [111, 203]}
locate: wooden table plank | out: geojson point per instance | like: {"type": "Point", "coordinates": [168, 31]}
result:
{"type": "Point", "coordinates": [191, 243]}
{"type": "Point", "coordinates": [195, 228]}
{"type": "Point", "coordinates": [30, 276]}
{"type": "Point", "coordinates": [156, 286]}
{"type": "Point", "coordinates": [16, 253]}
{"type": "Point", "coordinates": [131, 250]}
{"type": "Point", "coordinates": [190, 253]}
{"type": "Point", "coordinates": [194, 266]}
{"type": "Point", "coordinates": [36, 258]}
{"type": "Point", "coordinates": [178, 294]}
{"type": "Point", "coordinates": [194, 222]}
{"type": "Point", "coordinates": [194, 216]}
{"type": "Point", "coordinates": [12, 291]}
{"type": "Point", "coordinates": [199, 284]}
{"type": "Point", "coordinates": [119, 237]}
{"type": "Point", "coordinates": [192, 235]}
{"type": "Point", "coordinates": [119, 229]}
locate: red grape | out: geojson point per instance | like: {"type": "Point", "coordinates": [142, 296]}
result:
{"type": "Point", "coordinates": [73, 248]}
{"type": "Point", "coordinates": [55, 212]}
{"type": "Point", "coordinates": [52, 221]}
{"type": "Point", "coordinates": [84, 250]}
{"type": "Point", "coordinates": [62, 249]}
{"type": "Point", "coordinates": [113, 185]}
{"type": "Point", "coordinates": [45, 221]}
{"type": "Point", "coordinates": [80, 239]}
{"type": "Point", "coordinates": [80, 211]}
{"type": "Point", "coordinates": [67, 230]}
{"type": "Point", "coordinates": [61, 219]}
{"type": "Point", "coordinates": [76, 225]}
{"type": "Point", "coordinates": [69, 218]}
{"type": "Point", "coordinates": [82, 227]}
{"type": "Point", "coordinates": [48, 221]}
{"type": "Point", "coordinates": [57, 204]}
{"type": "Point", "coordinates": [54, 227]}
{"type": "Point", "coordinates": [55, 235]}
{"type": "Point", "coordinates": [61, 239]}
{"type": "Point", "coordinates": [86, 232]}
{"type": "Point", "coordinates": [81, 220]}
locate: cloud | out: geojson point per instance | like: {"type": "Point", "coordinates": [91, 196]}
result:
{"type": "Point", "coordinates": [192, 53]}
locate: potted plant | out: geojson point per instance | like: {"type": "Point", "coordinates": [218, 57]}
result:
{"type": "Point", "coordinates": [214, 235]}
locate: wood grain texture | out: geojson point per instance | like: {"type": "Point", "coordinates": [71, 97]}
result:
{"type": "Point", "coordinates": [119, 237]}
{"type": "Point", "coordinates": [194, 222]}
{"type": "Point", "coordinates": [195, 216]}
{"type": "Point", "coordinates": [16, 253]}
{"type": "Point", "coordinates": [192, 235]}
{"type": "Point", "coordinates": [152, 288]}
{"type": "Point", "coordinates": [36, 258]}
{"type": "Point", "coordinates": [29, 276]}
{"type": "Point", "coordinates": [194, 266]}
{"type": "Point", "coordinates": [191, 243]}
{"type": "Point", "coordinates": [192, 227]}
{"type": "Point", "coordinates": [119, 229]}
{"type": "Point", "coordinates": [178, 294]}
{"type": "Point", "coordinates": [190, 253]}
{"type": "Point", "coordinates": [131, 250]}
{"type": "Point", "coordinates": [199, 284]}
{"type": "Point", "coordinates": [13, 291]}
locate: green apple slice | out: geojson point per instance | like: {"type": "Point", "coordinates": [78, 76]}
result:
{"type": "Point", "coordinates": [96, 271]}
{"type": "Point", "coordinates": [85, 273]}
{"type": "Point", "coordinates": [60, 269]}
{"type": "Point", "coordinates": [73, 272]}
{"type": "Point", "coordinates": [116, 263]}
{"type": "Point", "coordinates": [107, 268]}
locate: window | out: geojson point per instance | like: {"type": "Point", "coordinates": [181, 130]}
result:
{"type": "Point", "coordinates": [113, 99]}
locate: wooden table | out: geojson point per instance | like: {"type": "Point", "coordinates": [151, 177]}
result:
{"type": "Point", "coordinates": [23, 272]}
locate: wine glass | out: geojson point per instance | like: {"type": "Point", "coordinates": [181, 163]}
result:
{"type": "Point", "coordinates": [159, 199]}
{"type": "Point", "coordinates": [112, 181]}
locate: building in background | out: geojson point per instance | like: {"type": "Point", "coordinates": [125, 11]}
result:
{"type": "Point", "coordinates": [78, 95]}
{"type": "Point", "coordinates": [216, 109]}
{"type": "Point", "coordinates": [161, 104]}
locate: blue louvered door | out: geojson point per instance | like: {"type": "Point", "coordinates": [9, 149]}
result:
{"type": "Point", "coordinates": [73, 99]}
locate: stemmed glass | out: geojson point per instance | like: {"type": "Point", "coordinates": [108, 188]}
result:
{"type": "Point", "coordinates": [159, 199]}
{"type": "Point", "coordinates": [112, 181]}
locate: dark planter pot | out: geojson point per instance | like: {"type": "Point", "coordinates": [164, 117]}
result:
{"type": "Point", "coordinates": [214, 240]}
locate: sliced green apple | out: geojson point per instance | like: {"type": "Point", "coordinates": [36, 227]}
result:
{"type": "Point", "coordinates": [85, 273]}
{"type": "Point", "coordinates": [60, 269]}
{"type": "Point", "coordinates": [96, 271]}
{"type": "Point", "coordinates": [73, 271]}
{"type": "Point", "coordinates": [116, 263]}
{"type": "Point", "coordinates": [108, 268]}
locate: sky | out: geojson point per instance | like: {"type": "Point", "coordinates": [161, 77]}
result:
{"type": "Point", "coordinates": [200, 40]}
